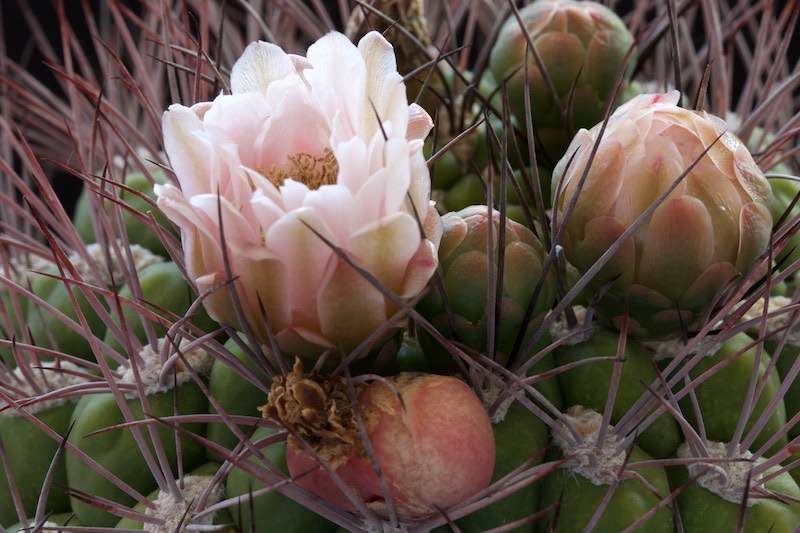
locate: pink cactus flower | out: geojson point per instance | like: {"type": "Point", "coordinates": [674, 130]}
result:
{"type": "Point", "coordinates": [306, 156]}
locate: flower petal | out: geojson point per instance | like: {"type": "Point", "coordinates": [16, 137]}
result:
{"type": "Point", "coordinates": [347, 295]}
{"type": "Point", "coordinates": [755, 222]}
{"type": "Point", "coordinates": [420, 122]}
{"type": "Point", "coordinates": [386, 249]}
{"type": "Point", "coordinates": [420, 270]}
{"type": "Point", "coordinates": [259, 65]}
{"type": "Point", "coordinates": [306, 258]}
{"type": "Point", "coordinates": [334, 205]}
{"type": "Point", "coordinates": [308, 158]}
{"type": "Point", "coordinates": [385, 92]}
{"type": "Point", "coordinates": [384, 192]}
{"type": "Point", "coordinates": [188, 152]}
{"type": "Point", "coordinates": [419, 188]}
{"type": "Point", "coordinates": [281, 141]}
{"type": "Point", "coordinates": [678, 246]}
{"type": "Point", "coordinates": [338, 81]}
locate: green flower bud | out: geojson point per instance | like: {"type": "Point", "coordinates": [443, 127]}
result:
{"type": "Point", "coordinates": [582, 46]}
{"type": "Point", "coordinates": [464, 259]}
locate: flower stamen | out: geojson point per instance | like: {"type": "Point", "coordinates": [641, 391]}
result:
{"type": "Point", "coordinates": [313, 171]}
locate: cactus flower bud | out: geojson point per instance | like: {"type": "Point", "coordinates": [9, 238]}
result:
{"type": "Point", "coordinates": [582, 46]}
{"type": "Point", "coordinates": [430, 436]}
{"type": "Point", "coordinates": [708, 230]}
{"type": "Point", "coordinates": [465, 260]}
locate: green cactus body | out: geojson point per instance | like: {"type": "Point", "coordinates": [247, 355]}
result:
{"type": "Point", "coordinates": [784, 192]}
{"type": "Point", "coordinates": [410, 357]}
{"type": "Point", "coordinates": [270, 512]}
{"type": "Point", "coordinates": [792, 397]}
{"type": "Point", "coordinates": [138, 232]}
{"type": "Point", "coordinates": [519, 437]}
{"type": "Point", "coordinates": [117, 451]}
{"type": "Point", "coordinates": [235, 394]}
{"type": "Point", "coordinates": [49, 331]}
{"type": "Point", "coordinates": [30, 451]}
{"type": "Point", "coordinates": [548, 386]}
{"type": "Point", "coordinates": [704, 510]}
{"type": "Point", "coordinates": [21, 271]}
{"type": "Point", "coordinates": [465, 269]}
{"type": "Point", "coordinates": [722, 395]}
{"type": "Point", "coordinates": [516, 203]}
{"type": "Point", "coordinates": [780, 332]}
{"type": "Point", "coordinates": [468, 189]}
{"type": "Point", "coordinates": [164, 291]}
{"type": "Point", "coordinates": [13, 329]}
{"type": "Point", "coordinates": [581, 498]}
{"type": "Point", "coordinates": [445, 171]}
{"type": "Point", "coordinates": [576, 490]}
{"type": "Point", "coordinates": [588, 385]}
{"type": "Point", "coordinates": [66, 519]}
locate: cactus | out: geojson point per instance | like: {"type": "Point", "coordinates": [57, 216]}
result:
{"type": "Point", "coordinates": [211, 338]}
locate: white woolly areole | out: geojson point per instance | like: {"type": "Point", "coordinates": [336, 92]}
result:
{"type": "Point", "coordinates": [734, 121]}
{"type": "Point", "coordinates": [667, 349]}
{"type": "Point", "coordinates": [728, 480]}
{"type": "Point", "coordinates": [22, 268]}
{"type": "Point", "coordinates": [151, 371]}
{"type": "Point", "coordinates": [174, 513]}
{"type": "Point", "coordinates": [560, 329]}
{"type": "Point", "coordinates": [142, 257]}
{"type": "Point", "coordinates": [775, 322]}
{"type": "Point", "coordinates": [491, 391]}
{"type": "Point", "coordinates": [51, 377]}
{"type": "Point", "coordinates": [598, 462]}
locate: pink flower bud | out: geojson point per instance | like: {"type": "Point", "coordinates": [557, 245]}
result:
{"type": "Point", "coordinates": [431, 438]}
